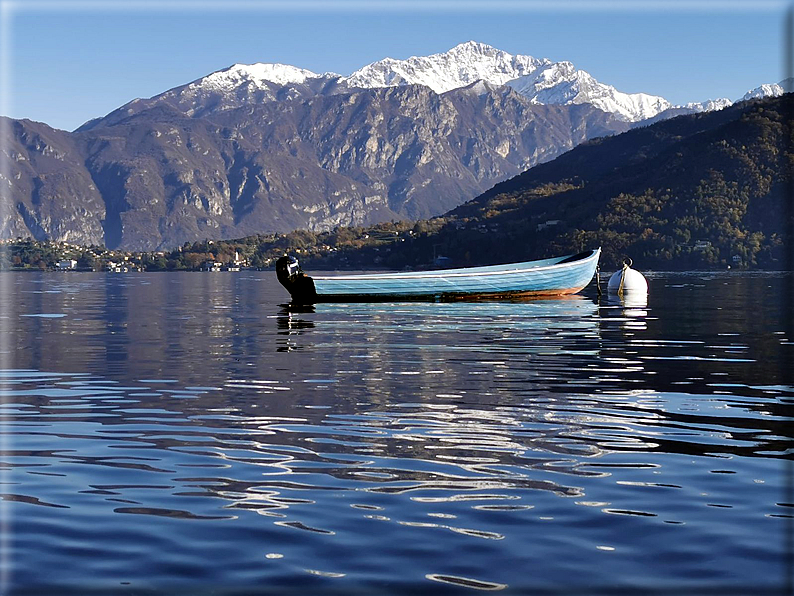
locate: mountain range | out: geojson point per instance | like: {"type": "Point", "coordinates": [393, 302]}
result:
{"type": "Point", "coordinates": [271, 148]}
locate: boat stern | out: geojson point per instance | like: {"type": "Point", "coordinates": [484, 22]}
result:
{"type": "Point", "coordinates": [299, 285]}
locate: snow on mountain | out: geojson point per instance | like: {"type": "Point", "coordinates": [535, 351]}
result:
{"type": "Point", "coordinates": [479, 88]}
{"type": "Point", "coordinates": [767, 90]}
{"type": "Point", "coordinates": [541, 80]}
{"type": "Point", "coordinates": [561, 83]}
{"type": "Point", "coordinates": [258, 74]}
{"type": "Point", "coordinates": [240, 85]}
{"type": "Point", "coordinates": [462, 65]}
{"type": "Point", "coordinates": [709, 105]}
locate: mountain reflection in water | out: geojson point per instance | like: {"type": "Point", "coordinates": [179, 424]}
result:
{"type": "Point", "coordinates": [189, 433]}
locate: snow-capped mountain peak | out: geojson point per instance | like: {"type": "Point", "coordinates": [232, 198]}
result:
{"type": "Point", "coordinates": [710, 105]}
{"type": "Point", "coordinates": [767, 90]}
{"type": "Point", "coordinates": [562, 83]}
{"type": "Point", "coordinates": [542, 80]}
{"type": "Point", "coordinates": [458, 67]}
{"type": "Point", "coordinates": [244, 84]}
{"type": "Point", "coordinates": [760, 92]}
{"type": "Point", "coordinates": [280, 74]}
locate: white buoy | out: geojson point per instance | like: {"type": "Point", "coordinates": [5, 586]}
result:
{"type": "Point", "coordinates": [628, 281]}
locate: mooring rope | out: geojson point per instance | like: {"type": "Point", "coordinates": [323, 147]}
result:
{"type": "Point", "coordinates": [626, 264]}
{"type": "Point", "coordinates": [598, 280]}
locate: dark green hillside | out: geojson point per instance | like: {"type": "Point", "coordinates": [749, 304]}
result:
{"type": "Point", "coordinates": [691, 192]}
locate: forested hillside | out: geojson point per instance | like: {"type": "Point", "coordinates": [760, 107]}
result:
{"type": "Point", "coordinates": [707, 190]}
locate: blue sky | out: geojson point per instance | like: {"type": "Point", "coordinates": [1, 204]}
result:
{"type": "Point", "coordinates": [65, 62]}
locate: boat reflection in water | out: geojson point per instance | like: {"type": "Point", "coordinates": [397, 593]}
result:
{"type": "Point", "coordinates": [291, 323]}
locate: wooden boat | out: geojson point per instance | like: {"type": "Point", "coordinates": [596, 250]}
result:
{"type": "Point", "coordinates": [548, 277]}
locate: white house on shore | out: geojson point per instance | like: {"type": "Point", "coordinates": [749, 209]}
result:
{"type": "Point", "coordinates": [211, 266]}
{"type": "Point", "coordinates": [66, 264]}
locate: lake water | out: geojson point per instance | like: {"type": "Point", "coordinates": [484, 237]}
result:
{"type": "Point", "coordinates": [186, 433]}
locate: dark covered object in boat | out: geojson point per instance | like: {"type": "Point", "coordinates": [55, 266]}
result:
{"type": "Point", "coordinates": [298, 284]}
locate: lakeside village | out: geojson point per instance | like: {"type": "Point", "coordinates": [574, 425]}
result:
{"type": "Point", "coordinates": [254, 252]}
{"type": "Point", "coordinates": [33, 255]}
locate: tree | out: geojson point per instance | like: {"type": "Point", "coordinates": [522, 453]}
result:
{"type": "Point", "coordinates": [86, 261]}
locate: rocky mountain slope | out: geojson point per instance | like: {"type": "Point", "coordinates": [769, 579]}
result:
{"type": "Point", "coordinates": [157, 177]}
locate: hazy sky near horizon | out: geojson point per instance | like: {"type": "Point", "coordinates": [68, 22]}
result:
{"type": "Point", "coordinates": [65, 62]}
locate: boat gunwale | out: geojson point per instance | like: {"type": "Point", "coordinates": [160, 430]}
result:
{"type": "Point", "coordinates": [474, 271]}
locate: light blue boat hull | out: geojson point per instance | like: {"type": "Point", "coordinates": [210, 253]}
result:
{"type": "Point", "coordinates": [548, 277]}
